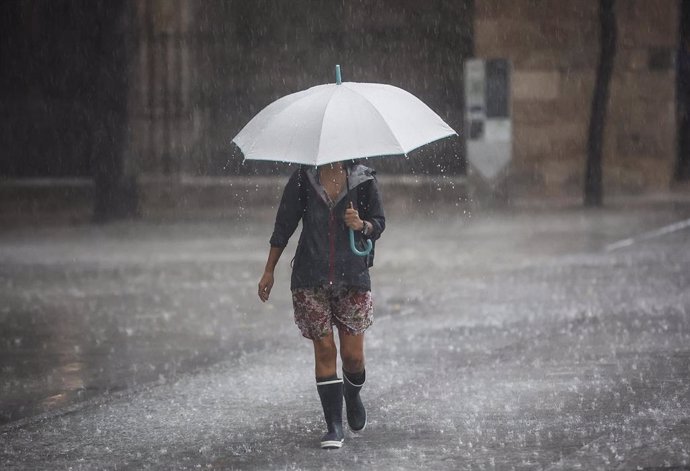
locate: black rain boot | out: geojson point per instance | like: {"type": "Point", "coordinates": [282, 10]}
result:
{"type": "Point", "coordinates": [356, 414]}
{"type": "Point", "coordinates": [331, 394]}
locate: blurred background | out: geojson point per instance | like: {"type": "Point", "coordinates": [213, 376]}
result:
{"type": "Point", "coordinates": [122, 108]}
{"type": "Point", "coordinates": [531, 286]}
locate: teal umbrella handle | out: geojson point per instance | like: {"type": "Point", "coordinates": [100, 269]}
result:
{"type": "Point", "coordinates": [356, 251]}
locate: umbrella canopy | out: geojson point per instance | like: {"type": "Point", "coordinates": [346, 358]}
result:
{"type": "Point", "coordinates": [336, 122]}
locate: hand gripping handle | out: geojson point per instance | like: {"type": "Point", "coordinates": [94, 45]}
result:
{"type": "Point", "coordinates": [354, 248]}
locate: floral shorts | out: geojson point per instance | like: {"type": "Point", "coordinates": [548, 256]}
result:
{"type": "Point", "coordinates": [317, 310]}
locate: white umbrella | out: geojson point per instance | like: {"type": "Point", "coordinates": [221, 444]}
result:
{"type": "Point", "coordinates": [340, 121]}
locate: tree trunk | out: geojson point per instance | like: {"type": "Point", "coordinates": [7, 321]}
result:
{"type": "Point", "coordinates": [594, 194]}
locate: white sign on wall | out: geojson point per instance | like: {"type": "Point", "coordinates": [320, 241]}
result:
{"type": "Point", "coordinates": [488, 122]}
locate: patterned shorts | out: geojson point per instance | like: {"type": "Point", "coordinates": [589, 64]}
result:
{"type": "Point", "coordinates": [317, 310]}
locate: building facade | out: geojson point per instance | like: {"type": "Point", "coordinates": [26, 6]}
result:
{"type": "Point", "coordinates": [201, 70]}
{"type": "Point", "coordinates": [554, 49]}
{"type": "Point", "coordinates": [198, 71]}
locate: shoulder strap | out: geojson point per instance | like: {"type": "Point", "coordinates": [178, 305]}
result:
{"type": "Point", "coordinates": [302, 182]}
{"type": "Point", "coordinates": [362, 194]}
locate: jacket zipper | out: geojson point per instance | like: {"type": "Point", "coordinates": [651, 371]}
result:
{"type": "Point", "coordinates": [331, 254]}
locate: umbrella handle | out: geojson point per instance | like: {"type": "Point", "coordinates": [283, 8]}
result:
{"type": "Point", "coordinates": [356, 251]}
{"type": "Point", "coordinates": [353, 246]}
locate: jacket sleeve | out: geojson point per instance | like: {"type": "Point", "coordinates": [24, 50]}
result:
{"type": "Point", "coordinates": [290, 210]}
{"type": "Point", "coordinates": [371, 209]}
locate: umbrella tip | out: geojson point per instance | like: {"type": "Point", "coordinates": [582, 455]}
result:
{"type": "Point", "coordinates": [338, 79]}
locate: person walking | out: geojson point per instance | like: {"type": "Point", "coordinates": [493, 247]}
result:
{"type": "Point", "coordinates": [330, 284]}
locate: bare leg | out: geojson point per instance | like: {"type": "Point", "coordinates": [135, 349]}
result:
{"type": "Point", "coordinates": [352, 352]}
{"type": "Point", "coordinates": [325, 355]}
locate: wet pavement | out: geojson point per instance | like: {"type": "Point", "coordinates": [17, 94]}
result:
{"type": "Point", "coordinates": [507, 339]}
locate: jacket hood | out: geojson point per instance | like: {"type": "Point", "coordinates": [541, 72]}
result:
{"type": "Point", "coordinates": [357, 175]}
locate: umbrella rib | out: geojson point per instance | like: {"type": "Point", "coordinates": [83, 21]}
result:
{"type": "Point", "coordinates": [325, 110]}
{"type": "Point", "coordinates": [402, 151]}
{"type": "Point", "coordinates": [275, 116]}
{"type": "Point", "coordinates": [297, 123]}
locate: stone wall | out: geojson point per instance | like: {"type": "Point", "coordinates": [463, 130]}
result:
{"type": "Point", "coordinates": [554, 46]}
{"type": "Point", "coordinates": [203, 69]}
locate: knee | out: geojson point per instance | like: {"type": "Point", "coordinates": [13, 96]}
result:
{"type": "Point", "coordinates": [353, 362]}
{"type": "Point", "coordinates": [325, 350]}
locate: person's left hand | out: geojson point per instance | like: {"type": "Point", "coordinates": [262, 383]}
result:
{"type": "Point", "coordinates": [352, 219]}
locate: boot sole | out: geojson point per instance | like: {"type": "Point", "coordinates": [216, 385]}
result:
{"type": "Point", "coordinates": [331, 444]}
{"type": "Point", "coordinates": [359, 430]}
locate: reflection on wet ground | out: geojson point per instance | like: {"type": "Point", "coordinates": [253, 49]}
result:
{"type": "Point", "coordinates": [90, 311]}
{"type": "Point", "coordinates": [502, 338]}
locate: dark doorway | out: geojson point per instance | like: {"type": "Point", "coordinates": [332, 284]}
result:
{"type": "Point", "coordinates": [683, 94]}
{"type": "Point", "coordinates": [45, 114]}
{"type": "Point", "coordinates": [60, 79]}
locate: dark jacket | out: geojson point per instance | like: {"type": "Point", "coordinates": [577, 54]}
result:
{"type": "Point", "coordinates": [323, 253]}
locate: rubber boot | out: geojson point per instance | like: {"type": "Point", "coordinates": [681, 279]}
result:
{"type": "Point", "coordinates": [331, 394]}
{"type": "Point", "coordinates": [356, 414]}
